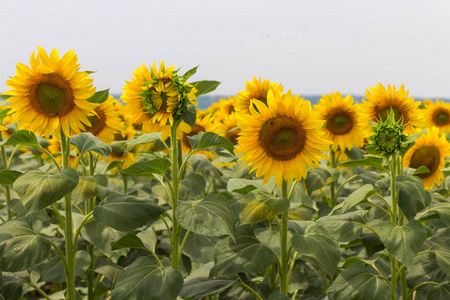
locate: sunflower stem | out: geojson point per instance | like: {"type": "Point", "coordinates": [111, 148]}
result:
{"type": "Point", "coordinates": [6, 190]}
{"type": "Point", "coordinates": [175, 226]}
{"type": "Point", "coordinates": [284, 267]}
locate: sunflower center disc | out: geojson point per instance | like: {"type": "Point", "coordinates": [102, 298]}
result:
{"type": "Point", "coordinates": [340, 123]}
{"type": "Point", "coordinates": [164, 105]}
{"type": "Point", "coordinates": [50, 97]}
{"type": "Point", "coordinates": [442, 118]}
{"type": "Point", "coordinates": [282, 137]}
{"type": "Point", "coordinates": [97, 123]}
{"type": "Point", "coordinates": [428, 156]}
{"type": "Point", "coordinates": [384, 113]}
{"type": "Point", "coordinates": [233, 135]}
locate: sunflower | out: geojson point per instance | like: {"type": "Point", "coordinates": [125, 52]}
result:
{"type": "Point", "coordinates": [429, 150]}
{"type": "Point", "coordinates": [203, 123]}
{"type": "Point", "coordinates": [117, 153]}
{"type": "Point", "coordinates": [437, 115]}
{"type": "Point", "coordinates": [55, 149]}
{"type": "Point", "coordinates": [230, 128]}
{"type": "Point", "coordinates": [380, 101]}
{"type": "Point", "coordinates": [343, 124]}
{"type": "Point", "coordinates": [281, 139]}
{"type": "Point", "coordinates": [255, 90]}
{"type": "Point", "coordinates": [51, 94]}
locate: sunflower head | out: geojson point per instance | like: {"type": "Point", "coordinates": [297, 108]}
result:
{"type": "Point", "coordinates": [282, 138]}
{"type": "Point", "coordinates": [255, 91]}
{"type": "Point", "coordinates": [51, 93]}
{"type": "Point", "coordinates": [437, 115]}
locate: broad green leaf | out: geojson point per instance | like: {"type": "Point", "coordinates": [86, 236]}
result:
{"type": "Point", "coordinates": [147, 168]}
{"type": "Point", "coordinates": [357, 283]}
{"type": "Point", "coordinates": [243, 186]}
{"type": "Point", "coordinates": [424, 268]}
{"type": "Point", "coordinates": [145, 139]}
{"type": "Point", "coordinates": [316, 179]}
{"type": "Point", "coordinates": [372, 243]}
{"type": "Point", "coordinates": [101, 236]}
{"type": "Point", "coordinates": [143, 280]}
{"type": "Point", "coordinates": [111, 271]}
{"type": "Point", "coordinates": [278, 296]}
{"type": "Point", "coordinates": [317, 243]}
{"type": "Point", "coordinates": [190, 116]}
{"type": "Point", "coordinates": [21, 247]}
{"type": "Point", "coordinates": [413, 197]}
{"type": "Point", "coordinates": [440, 293]}
{"type": "Point", "coordinates": [23, 138]}
{"type": "Point", "coordinates": [52, 270]}
{"type": "Point", "coordinates": [86, 189]}
{"type": "Point", "coordinates": [443, 259]}
{"type": "Point", "coordinates": [207, 140]}
{"type": "Point", "coordinates": [200, 162]}
{"type": "Point", "coordinates": [126, 212]}
{"type": "Point", "coordinates": [86, 142]}
{"type": "Point", "coordinates": [38, 189]}
{"type": "Point", "coordinates": [205, 86]}
{"type": "Point", "coordinates": [369, 161]}
{"type": "Point", "coordinates": [403, 242]}
{"type": "Point", "coordinates": [200, 249]}
{"type": "Point", "coordinates": [211, 216]}
{"type": "Point", "coordinates": [259, 205]}
{"type": "Point", "coordinates": [346, 227]}
{"type": "Point", "coordinates": [245, 254]}
{"type": "Point", "coordinates": [189, 73]}
{"type": "Point", "coordinates": [12, 288]}
{"type": "Point", "coordinates": [143, 240]}
{"type": "Point", "coordinates": [197, 285]}
{"type": "Point", "coordinates": [99, 97]}
{"type": "Point", "coordinates": [9, 176]}
{"type": "Point", "coordinates": [192, 185]}
{"type": "Point", "coordinates": [443, 209]}
{"type": "Point", "coordinates": [358, 196]}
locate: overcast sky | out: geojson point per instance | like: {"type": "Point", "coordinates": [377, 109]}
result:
{"type": "Point", "coordinates": [311, 47]}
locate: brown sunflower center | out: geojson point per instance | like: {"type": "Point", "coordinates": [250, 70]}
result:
{"type": "Point", "coordinates": [97, 122]}
{"type": "Point", "coordinates": [52, 95]}
{"type": "Point", "coordinates": [197, 128]}
{"type": "Point", "coordinates": [428, 156]}
{"type": "Point", "coordinates": [340, 122]}
{"type": "Point", "coordinates": [282, 137]}
{"type": "Point", "coordinates": [232, 135]}
{"type": "Point", "coordinates": [383, 113]}
{"type": "Point", "coordinates": [441, 118]}
{"type": "Point", "coordinates": [164, 105]}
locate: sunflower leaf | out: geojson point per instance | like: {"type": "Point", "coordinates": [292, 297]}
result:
{"type": "Point", "coordinates": [209, 140]}
{"type": "Point", "coordinates": [23, 138]}
{"type": "Point", "coordinates": [99, 97]}
{"type": "Point", "coordinates": [259, 205]}
{"type": "Point", "coordinates": [147, 168]}
{"type": "Point", "coordinates": [86, 142]}
{"type": "Point", "coordinates": [189, 73]}
{"type": "Point", "coordinates": [190, 115]}
{"type": "Point", "coordinates": [205, 86]}
{"type": "Point", "coordinates": [9, 176]}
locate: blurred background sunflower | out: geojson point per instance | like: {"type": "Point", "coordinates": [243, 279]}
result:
{"type": "Point", "coordinates": [437, 115]}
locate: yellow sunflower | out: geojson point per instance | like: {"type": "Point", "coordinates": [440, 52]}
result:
{"type": "Point", "coordinates": [51, 94]}
{"type": "Point", "coordinates": [437, 115]}
{"type": "Point", "coordinates": [282, 138]}
{"type": "Point", "coordinates": [117, 153]}
{"type": "Point", "coordinates": [203, 123]}
{"type": "Point", "coordinates": [106, 122]}
{"type": "Point", "coordinates": [255, 90]}
{"type": "Point", "coordinates": [429, 150]}
{"type": "Point", "coordinates": [380, 101]}
{"type": "Point", "coordinates": [230, 129]}
{"type": "Point", "coordinates": [344, 126]}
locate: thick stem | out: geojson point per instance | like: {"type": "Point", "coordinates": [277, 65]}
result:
{"type": "Point", "coordinates": [333, 183]}
{"type": "Point", "coordinates": [284, 261]}
{"type": "Point", "coordinates": [7, 189]}
{"type": "Point", "coordinates": [175, 225]}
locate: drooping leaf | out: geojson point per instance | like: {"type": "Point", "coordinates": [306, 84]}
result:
{"type": "Point", "coordinates": [211, 216]}
{"type": "Point", "coordinates": [357, 282]}
{"type": "Point", "coordinates": [316, 179]}
{"type": "Point", "coordinates": [259, 205]}
{"type": "Point", "coordinates": [111, 271]}
{"type": "Point", "coordinates": [413, 197]}
{"type": "Point", "coordinates": [358, 196]}
{"type": "Point", "coordinates": [21, 247]}
{"type": "Point", "coordinates": [346, 227]}
{"type": "Point", "coordinates": [245, 254]}
{"type": "Point", "coordinates": [99, 97]}
{"type": "Point", "coordinates": [126, 212]}
{"type": "Point", "coordinates": [205, 86]}
{"type": "Point", "coordinates": [9, 176]}
{"type": "Point", "coordinates": [12, 288]}
{"type": "Point", "coordinates": [190, 116]}
{"type": "Point", "coordinates": [317, 243]}
{"type": "Point", "coordinates": [23, 138]}
{"type": "Point", "coordinates": [38, 189]}
{"type": "Point", "coordinates": [145, 139]}
{"type": "Point", "coordinates": [209, 140]}
{"type": "Point", "coordinates": [403, 242]}
{"type": "Point", "coordinates": [86, 142]}
{"type": "Point", "coordinates": [200, 248]}
{"type": "Point", "coordinates": [443, 210]}
{"type": "Point", "coordinates": [147, 168]}
{"type": "Point", "coordinates": [86, 189]}
{"type": "Point", "coordinates": [143, 280]}
{"type": "Point", "coordinates": [192, 185]}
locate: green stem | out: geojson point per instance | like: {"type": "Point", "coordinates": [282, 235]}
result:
{"type": "Point", "coordinates": [403, 281]}
{"type": "Point", "coordinates": [125, 184]}
{"type": "Point", "coordinates": [174, 202]}
{"type": "Point", "coordinates": [249, 289]}
{"type": "Point", "coordinates": [284, 260]}
{"type": "Point", "coordinates": [420, 285]}
{"type": "Point", "coordinates": [11, 157]}
{"type": "Point", "coordinates": [37, 289]}
{"type": "Point", "coordinates": [7, 189]}
{"type": "Point", "coordinates": [182, 244]}
{"type": "Point", "coordinates": [333, 200]}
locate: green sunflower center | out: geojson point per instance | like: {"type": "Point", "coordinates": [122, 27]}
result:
{"type": "Point", "coordinates": [282, 137]}
{"type": "Point", "coordinates": [383, 114]}
{"type": "Point", "coordinates": [52, 95]}
{"type": "Point", "coordinates": [441, 118]}
{"type": "Point", "coordinates": [428, 156]}
{"type": "Point", "coordinates": [340, 123]}
{"type": "Point", "coordinates": [97, 122]}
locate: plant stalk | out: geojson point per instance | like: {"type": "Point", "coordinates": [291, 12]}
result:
{"type": "Point", "coordinates": [284, 261]}
{"type": "Point", "coordinates": [175, 226]}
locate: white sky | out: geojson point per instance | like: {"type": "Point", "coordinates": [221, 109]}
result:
{"type": "Point", "coordinates": [311, 47]}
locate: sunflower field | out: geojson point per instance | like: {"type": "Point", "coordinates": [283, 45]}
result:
{"type": "Point", "coordinates": [260, 196]}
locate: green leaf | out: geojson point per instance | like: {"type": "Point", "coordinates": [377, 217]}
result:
{"type": "Point", "coordinates": [190, 116]}
{"type": "Point", "coordinates": [99, 97]}
{"type": "Point", "coordinates": [86, 142]}
{"type": "Point", "coordinates": [440, 293]}
{"type": "Point", "coordinates": [189, 73]}
{"type": "Point", "coordinates": [316, 179]}
{"type": "Point", "coordinates": [142, 280]}
{"type": "Point", "coordinates": [259, 205]}
{"type": "Point", "coordinates": [242, 186]}
{"type": "Point", "coordinates": [21, 247]}
{"type": "Point", "coordinates": [369, 161]}
{"type": "Point", "coordinates": [443, 210]}
{"type": "Point", "coordinates": [200, 248]}
{"type": "Point", "coordinates": [211, 216]}
{"type": "Point", "coordinates": [12, 288]}
{"type": "Point", "coordinates": [132, 240]}
{"type": "Point", "coordinates": [317, 243]}
{"type": "Point", "coordinates": [38, 189]}
{"type": "Point", "coordinates": [372, 243]}
{"type": "Point", "coordinates": [278, 296]}
{"type": "Point", "coordinates": [207, 140]}
{"type": "Point", "coordinates": [23, 138]}
{"type": "Point", "coordinates": [346, 227]}
{"type": "Point", "coordinates": [126, 212]}
{"type": "Point", "coordinates": [9, 176]}
{"type": "Point", "coordinates": [205, 86]}
{"type": "Point", "coordinates": [357, 283]}
{"type": "Point", "coordinates": [404, 242]}
{"type": "Point", "coordinates": [145, 139]}
{"type": "Point", "coordinates": [412, 197]}
{"type": "Point", "coordinates": [358, 196]}
{"type": "Point", "coordinates": [101, 236]}
{"type": "Point", "coordinates": [147, 168]}
{"type": "Point", "coordinates": [111, 271]}
{"type": "Point", "coordinates": [192, 185]}
{"type": "Point", "coordinates": [443, 259]}
{"type": "Point", "coordinates": [247, 254]}
{"type": "Point", "coordinates": [86, 189]}
{"type": "Point", "coordinates": [424, 268]}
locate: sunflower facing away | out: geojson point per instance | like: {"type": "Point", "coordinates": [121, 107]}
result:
{"type": "Point", "coordinates": [437, 115]}
{"type": "Point", "coordinates": [344, 126]}
{"type": "Point", "coordinates": [380, 101]}
{"type": "Point", "coordinates": [255, 90]}
{"type": "Point", "coordinates": [51, 94]}
{"type": "Point", "coordinates": [281, 139]}
{"type": "Point", "coordinates": [429, 150]}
